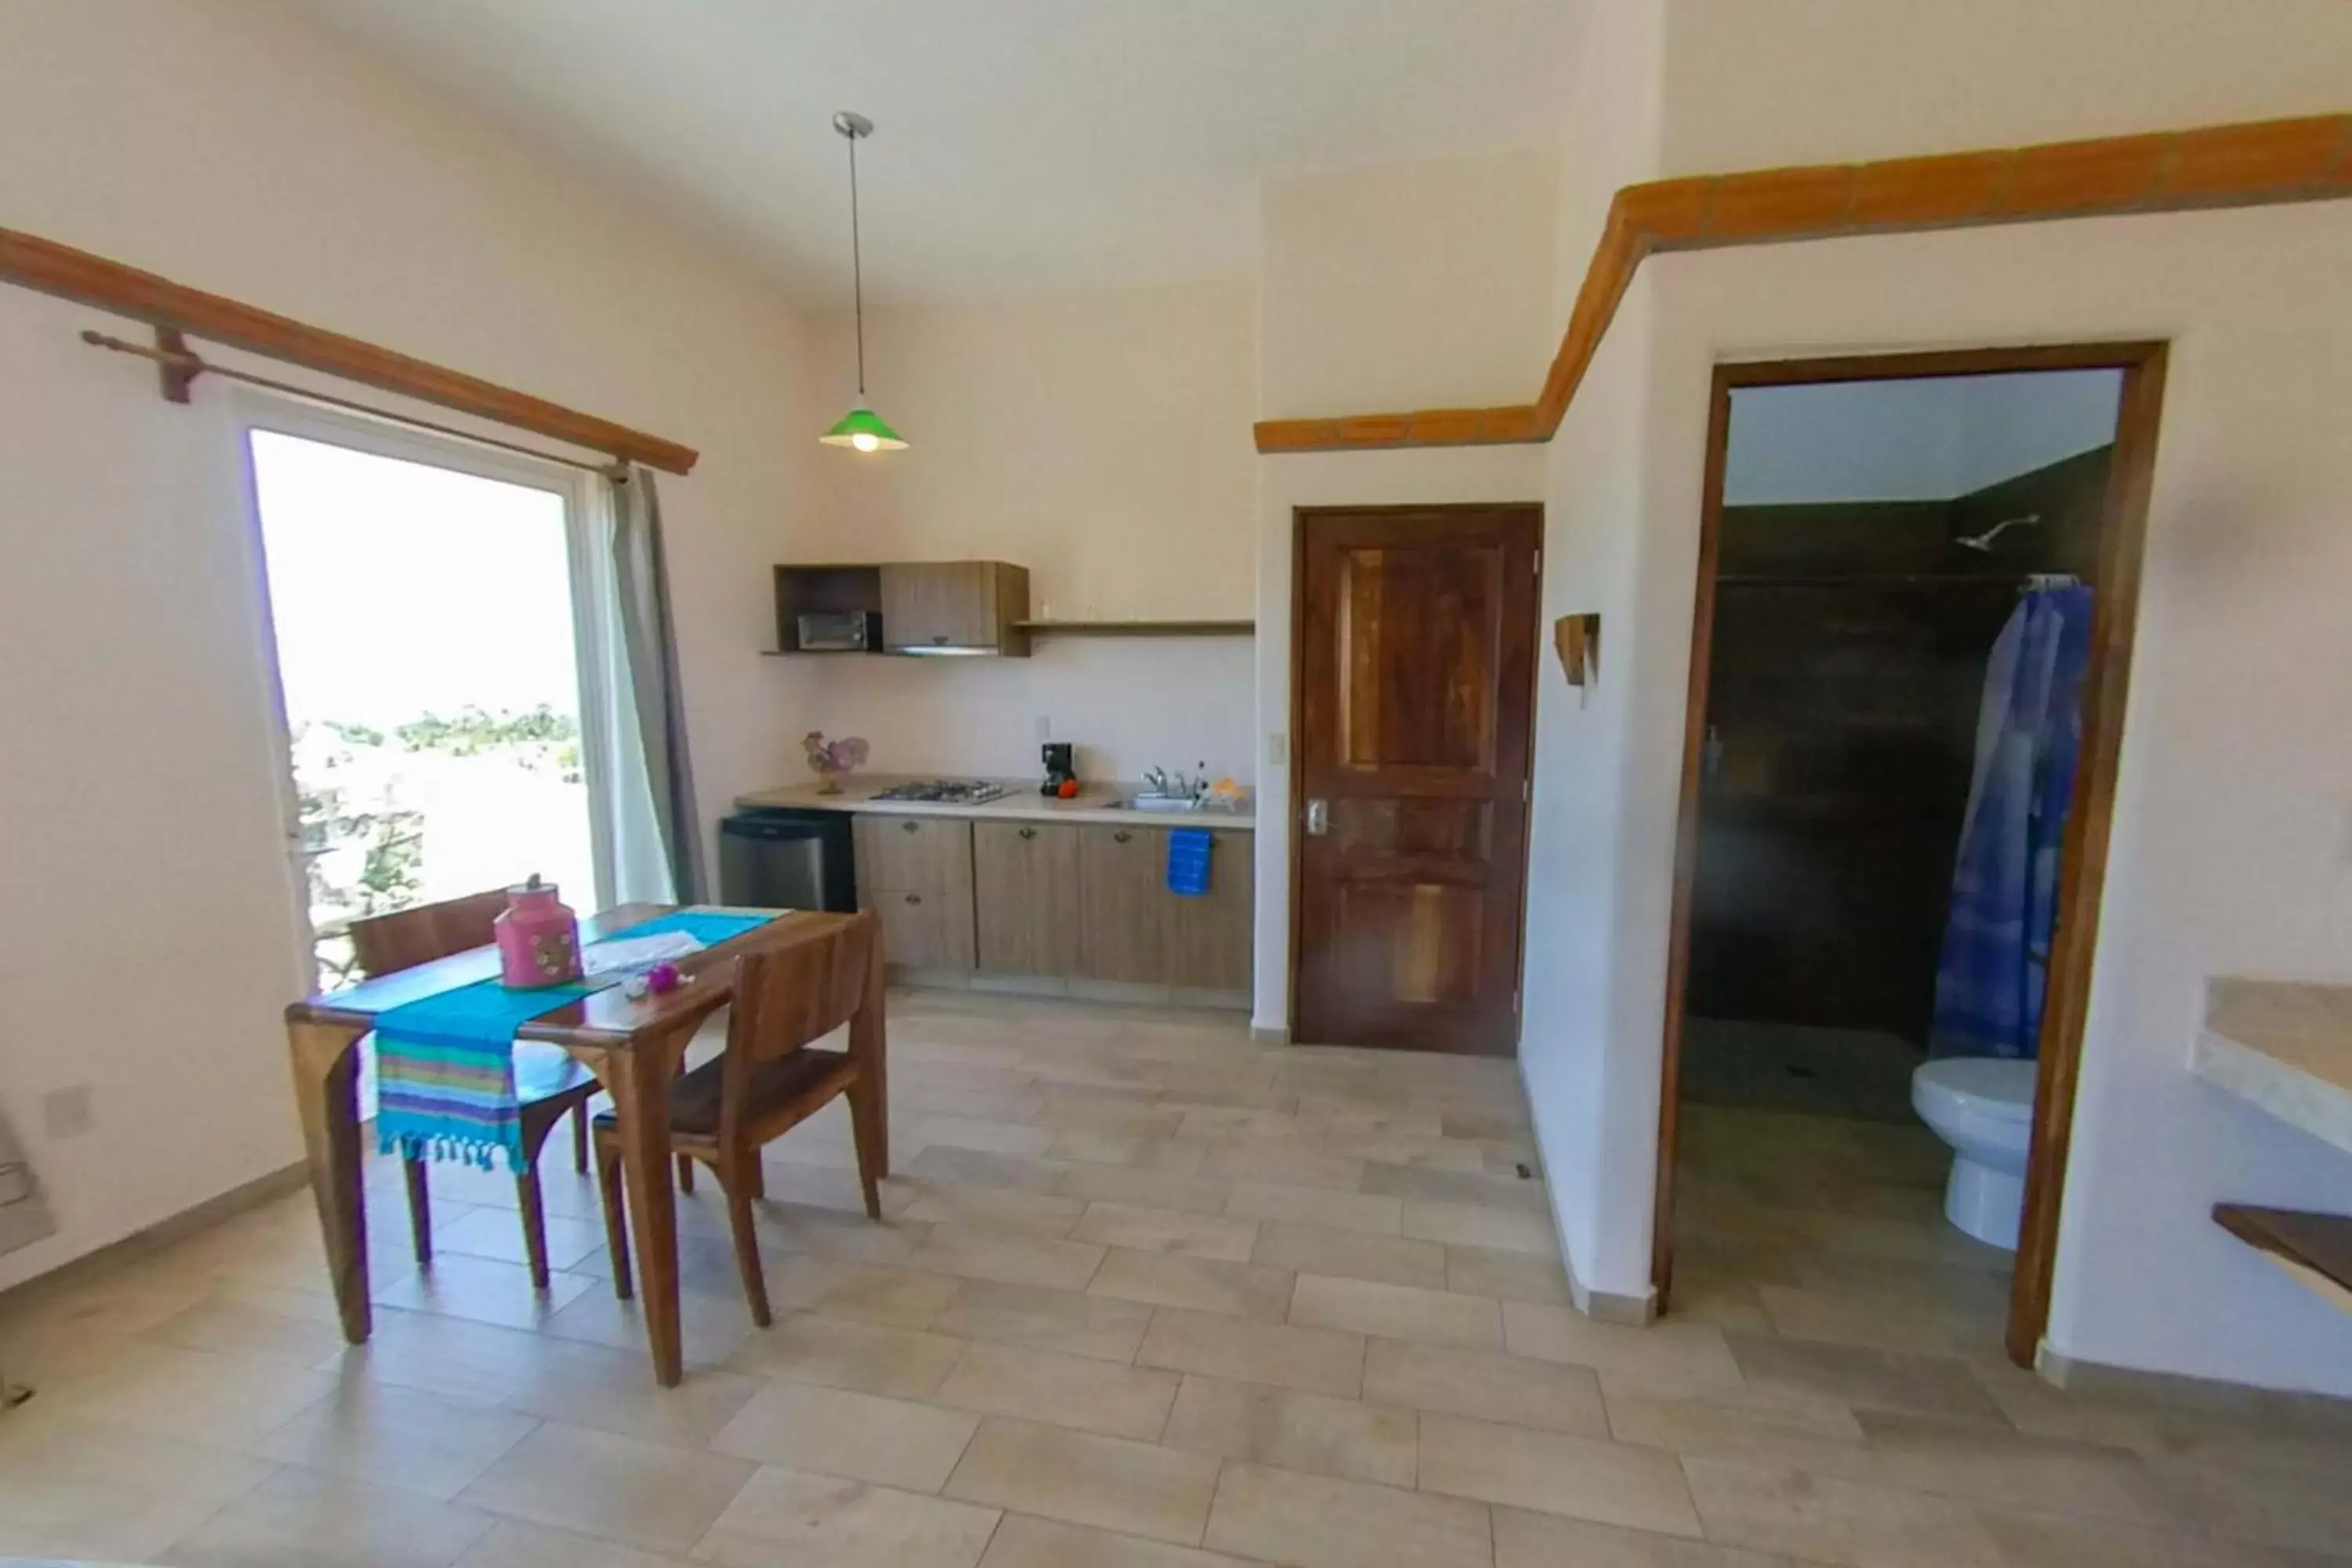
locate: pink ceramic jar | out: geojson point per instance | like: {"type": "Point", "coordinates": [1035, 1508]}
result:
{"type": "Point", "coordinates": [539, 939]}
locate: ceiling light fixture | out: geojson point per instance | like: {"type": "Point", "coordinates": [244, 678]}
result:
{"type": "Point", "coordinates": [860, 428]}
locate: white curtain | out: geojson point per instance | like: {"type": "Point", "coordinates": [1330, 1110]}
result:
{"type": "Point", "coordinates": [657, 836]}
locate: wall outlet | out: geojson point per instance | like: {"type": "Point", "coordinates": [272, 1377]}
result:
{"type": "Point", "coordinates": [68, 1113]}
{"type": "Point", "coordinates": [1044, 726]}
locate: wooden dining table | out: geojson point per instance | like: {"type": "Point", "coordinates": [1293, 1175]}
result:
{"type": "Point", "coordinates": [633, 1046]}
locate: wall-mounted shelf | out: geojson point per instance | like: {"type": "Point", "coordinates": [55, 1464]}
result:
{"type": "Point", "coordinates": [921, 607]}
{"type": "Point", "coordinates": [2313, 1248]}
{"type": "Point", "coordinates": [1141, 629]}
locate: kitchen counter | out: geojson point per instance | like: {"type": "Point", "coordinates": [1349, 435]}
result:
{"type": "Point", "coordinates": [1096, 803]}
{"type": "Point", "coordinates": [2287, 1046]}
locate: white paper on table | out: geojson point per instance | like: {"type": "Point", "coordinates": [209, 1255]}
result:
{"type": "Point", "coordinates": [628, 955]}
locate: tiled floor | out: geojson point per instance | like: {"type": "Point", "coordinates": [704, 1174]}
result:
{"type": "Point", "coordinates": [1149, 1297]}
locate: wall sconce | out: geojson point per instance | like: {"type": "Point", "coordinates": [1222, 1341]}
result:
{"type": "Point", "coordinates": [1578, 641]}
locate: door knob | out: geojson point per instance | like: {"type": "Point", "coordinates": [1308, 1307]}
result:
{"type": "Point", "coordinates": [1122, 836]}
{"type": "Point", "coordinates": [1028, 833]}
{"type": "Point", "coordinates": [1318, 817]}
{"type": "Point", "coordinates": [914, 898]}
{"type": "Point", "coordinates": [911, 827]}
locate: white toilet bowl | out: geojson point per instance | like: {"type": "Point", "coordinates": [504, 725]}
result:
{"type": "Point", "coordinates": [1983, 1107]}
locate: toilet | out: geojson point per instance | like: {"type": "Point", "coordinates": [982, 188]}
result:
{"type": "Point", "coordinates": [1983, 1107]}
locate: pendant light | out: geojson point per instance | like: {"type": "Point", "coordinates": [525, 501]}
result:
{"type": "Point", "coordinates": [860, 428]}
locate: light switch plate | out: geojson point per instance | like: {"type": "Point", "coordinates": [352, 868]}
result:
{"type": "Point", "coordinates": [1277, 748]}
{"type": "Point", "coordinates": [67, 1112]}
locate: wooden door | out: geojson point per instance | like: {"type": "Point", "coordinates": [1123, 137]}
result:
{"type": "Point", "coordinates": [1414, 664]}
{"type": "Point", "coordinates": [1125, 910]}
{"type": "Point", "coordinates": [1024, 879]}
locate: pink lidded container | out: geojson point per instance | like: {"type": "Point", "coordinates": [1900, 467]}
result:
{"type": "Point", "coordinates": [539, 938]}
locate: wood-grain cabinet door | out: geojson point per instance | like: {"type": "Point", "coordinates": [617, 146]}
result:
{"type": "Point", "coordinates": [1211, 933]}
{"type": "Point", "coordinates": [1026, 897]}
{"type": "Point", "coordinates": [915, 872]}
{"type": "Point", "coordinates": [940, 603]}
{"type": "Point", "coordinates": [1126, 914]}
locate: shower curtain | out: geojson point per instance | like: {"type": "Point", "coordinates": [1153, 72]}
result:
{"type": "Point", "coordinates": [1996, 958]}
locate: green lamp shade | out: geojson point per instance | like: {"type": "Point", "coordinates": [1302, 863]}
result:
{"type": "Point", "coordinates": [861, 429]}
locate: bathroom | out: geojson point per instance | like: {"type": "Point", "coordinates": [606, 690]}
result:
{"type": "Point", "coordinates": [1896, 642]}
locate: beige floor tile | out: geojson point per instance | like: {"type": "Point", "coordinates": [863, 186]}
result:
{"type": "Point", "coordinates": [487, 1291]}
{"type": "Point", "coordinates": [641, 1494]}
{"type": "Point", "coordinates": [863, 1437]}
{"type": "Point", "coordinates": [1060, 1390]}
{"type": "Point", "coordinates": [1524, 1540]}
{"type": "Point", "coordinates": [1557, 1472]}
{"type": "Point", "coordinates": [1476, 1189]}
{"type": "Point", "coordinates": [830, 1233]}
{"type": "Point", "coordinates": [1686, 1351]}
{"type": "Point", "coordinates": [1465, 1225]}
{"type": "Point", "coordinates": [1148, 1188]}
{"type": "Point", "coordinates": [1305, 1432]}
{"type": "Point", "coordinates": [1707, 1296]}
{"type": "Point", "coordinates": [997, 1208]}
{"type": "Point", "coordinates": [396, 1438]}
{"type": "Point", "coordinates": [1115, 1118]}
{"type": "Point", "coordinates": [1218, 1123]}
{"type": "Point", "coordinates": [214, 1398]}
{"type": "Point", "coordinates": [1010, 1260]}
{"type": "Point", "coordinates": [73, 1489]}
{"type": "Point", "coordinates": [1982, 1463]}
{"type": "Point", "coordinates": [941, 1166]}
{"type": "Point", "coordinates": [511, 1543]}
{"type": "Point", "coordinates": [497, 1233]}
{"type": "Point", "coordinates": [1136, 1489]}
{"type": "Point", "coordinates": [582, 1385]}
{"type": "Point", "coordinates": [970, 1132]}
{"type": "Point", "coordinates": [711, 1327]}
{"type": "Point", "coordinates": [1168, 1230]}
{"type": "Point", "coordinates": [1173, 1155]}
{"type": "Point", "coordinates": [1318, 1521]}
{"type": "Point", "coordinates": [222, 1322]}
{"type": "Point", "coordinates": [906, 1298]}
{"type": "Point", "coordinates": [838, 1352]}
{"type": "Point", "coordinates": [1290, 1161]}
{"type": "Point", "coordinates": [1314, 1361]}
{"type": "Point", "coordinates": [1732, 1420]}
{"type": "Point", "coordinates": [1397, 1312]}
{"type": "Point", "coordinates": [2046, 1540]}
{"type": "Point", "coordinates": [1774, 1509]}
{"type": "Point", "coordinates": [1315, 1205]}
{"type": "Point", "coordinates": [825, 1522]}
{"type": "Point", "coordinates": [1485, 1386]}
{"type": "Point", "coordinates": [296, 1520]}
{"type": "Point", "coordinates": [1207, 1285]}
{"type": "Point", "coordinates": [1431, 1153]}
{"type": "Point", "coordinates": [1351, 1254]}
{"type": "Point", "coordinates": [1022, 1542]}
{"type": "Point", "coordinates": [1072, 1323]}
{"type": "Point", "coordinates": [2282, 1508]}
{"type": "Point", "coordinates": [1843, 1318]}
{"type": "Point", "coordinates": [1883, 1379]}
{"type": "Point", "coordinates": [1538, 1278]}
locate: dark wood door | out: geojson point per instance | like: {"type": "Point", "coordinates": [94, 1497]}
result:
{"type": "Point", "coordinates": [1415, 666]}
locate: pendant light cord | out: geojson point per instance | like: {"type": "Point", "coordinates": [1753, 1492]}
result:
{"type": "Point", "coordinates": [856, 271]}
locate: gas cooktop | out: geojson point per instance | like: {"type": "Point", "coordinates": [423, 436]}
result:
{"type": "Point", "coordinates": [946, 792]}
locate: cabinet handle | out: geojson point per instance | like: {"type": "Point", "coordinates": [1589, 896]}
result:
{"type": "Point", "coordinates": [1028, 833]}
{"type": "Point", "coordinates": [1122, 836]}
{"type": "Point", "coordinates": [911, 827]}
{"type": "Point", "coordinates": [914, 898]}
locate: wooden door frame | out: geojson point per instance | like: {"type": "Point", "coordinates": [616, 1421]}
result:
{"type": "Point", "coordinates": [2123, 530]}
{"type": "Point", "coordinates": [1299, 516]}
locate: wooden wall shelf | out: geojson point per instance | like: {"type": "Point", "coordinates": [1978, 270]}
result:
{"type": "Point", "coordinates": [2316, 1248]}
{"type": "Point", "coordinates": [1141, 629]}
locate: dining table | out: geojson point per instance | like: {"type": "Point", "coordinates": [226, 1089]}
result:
{"type": "Point", "coordinates": [634, 1044]}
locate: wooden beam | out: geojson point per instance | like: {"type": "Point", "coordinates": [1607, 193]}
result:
{"type": "Point", "coordinates": [32, 262]}
{"type": "Point", "coordinates": [2258, 163]}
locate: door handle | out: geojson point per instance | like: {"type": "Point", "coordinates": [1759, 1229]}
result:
{"type": "Point", "coordinates": [914, 898]}
{"type": "Point", "coordinates": [1318, 817]}
{"type": "Point", "coordinates": [1028, 833]}
{"type": "Point", "coordinates": [1122, 836]}
{"type": "Point", "coordinates": [911, 827]}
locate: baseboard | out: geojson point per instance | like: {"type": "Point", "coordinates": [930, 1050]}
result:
{"type": "Point", "coordinates": [164, 1233]}
{"type": "Point", "coordinates": [1601, 1306]}
{"type": "Point", "coordinates": [1264, 1034]}
{"type": "Point", "coordinates": [2140, 1386]}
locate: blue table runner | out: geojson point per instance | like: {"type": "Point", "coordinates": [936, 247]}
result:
{"type": "Point", "coordinates": [445, 1064]}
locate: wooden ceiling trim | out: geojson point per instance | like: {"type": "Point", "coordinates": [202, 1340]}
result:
{"type": "Point", "coordinates": [2257, 164]}
{"type": "Point", "coordinates": [43, 265]}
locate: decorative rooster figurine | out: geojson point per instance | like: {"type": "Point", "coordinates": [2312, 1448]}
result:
{"type": "Point", "coordinates": [833, 761]}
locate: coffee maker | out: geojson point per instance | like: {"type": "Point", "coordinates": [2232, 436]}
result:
{"type": "Point", "coordinates": [1061, 767]}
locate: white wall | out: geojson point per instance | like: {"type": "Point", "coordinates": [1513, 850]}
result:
{"type": "Point", "coordinates": [1102, 441]}
{"type": "Point", "coordinates": [234, 147]}
{"type": "Point", "coordinates": [1931, 439]}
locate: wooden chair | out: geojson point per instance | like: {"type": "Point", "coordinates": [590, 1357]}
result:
{"type": "Point", "coordinates": [769, 1080]}
{"type": "Point", "coordinates": [548, 1083]}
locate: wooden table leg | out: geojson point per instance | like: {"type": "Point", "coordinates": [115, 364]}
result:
{"type": "Point", "coordinates": [638, 1081]}
{"type": "Point", "coordinates": [326, 1089]}
{"type": "Point", "coordinates": [869, 1043]}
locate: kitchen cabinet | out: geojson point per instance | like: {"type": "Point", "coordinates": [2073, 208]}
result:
{"type": "Point", "coordinates": [1026, 897]}
{"type": "Point", "coordinates": [915, 872]}
{"type": "Point", "coordinates": [1209, 945]}
{"type": "Point", "coordinates": [960, 606]}
{"type": "Point", "coordinates": [1127, 918]}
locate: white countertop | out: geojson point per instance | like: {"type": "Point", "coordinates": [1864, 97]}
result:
{"type": "Point", "coordinates": [1020, 802]}
{"type": "Point", "coordinates": [2284, 1044]}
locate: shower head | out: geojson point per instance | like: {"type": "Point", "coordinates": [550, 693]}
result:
{"type": "Point", "coordinates": [1983, 542]}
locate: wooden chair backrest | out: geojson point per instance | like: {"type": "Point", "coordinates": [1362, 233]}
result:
{"type": "Point", "coordinates": [791, 994]}
{"type": "Point", "coordinates": [386, 945]}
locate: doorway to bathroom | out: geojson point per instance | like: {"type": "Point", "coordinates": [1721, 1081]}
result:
{"type": "Point", "coordinates": [1913, 616]}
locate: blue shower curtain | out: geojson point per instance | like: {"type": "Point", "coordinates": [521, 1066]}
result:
{"type": "Point", "coordinates": [1996, 960]}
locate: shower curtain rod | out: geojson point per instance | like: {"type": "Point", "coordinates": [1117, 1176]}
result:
{"type": "Point", "coordinates": [181, 366]}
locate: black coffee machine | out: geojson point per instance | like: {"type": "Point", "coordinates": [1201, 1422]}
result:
{"type": "Point", "coordinates": [1061, 766]}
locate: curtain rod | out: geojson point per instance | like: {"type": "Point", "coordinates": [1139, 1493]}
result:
{"type": "Point", "coordinates": [180, 367]}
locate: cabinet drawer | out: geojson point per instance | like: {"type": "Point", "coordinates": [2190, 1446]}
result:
{"type": "Point", "coordinates": [1025, 878]}
{"type": "Point", "coordinates": [913, 854]}
{"type": "Point", "coordinates": [924, 931]}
